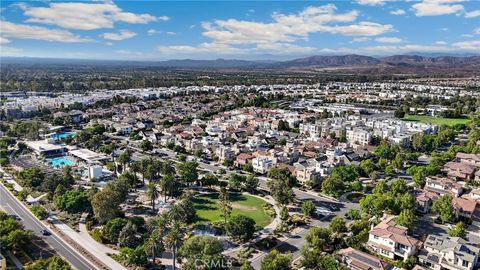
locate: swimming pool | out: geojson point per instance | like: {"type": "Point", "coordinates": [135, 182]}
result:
{"type": "Point", "coordinates": [61, 162]}
{"type": "Point", "coordinates": [63, 135]}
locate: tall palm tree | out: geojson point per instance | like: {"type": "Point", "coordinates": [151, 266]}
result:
{"type": "Point", "coordinates": [225, 205]}
{"type": "Point", "coordinates": [125, 158]}
{"type": "Point", "coordinates": [168, 168]}
{"type": "Point", "coordinates": [154, 244]}
{"type": "Point", "coordinates": [152, 193]}
{"type": "Point", "coordinates": [173, 239]}
{"type": "Point", "coordinates": [167, 183]}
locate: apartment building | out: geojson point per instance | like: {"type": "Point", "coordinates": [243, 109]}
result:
{"type": "Point", "coordinates": [445, 252]}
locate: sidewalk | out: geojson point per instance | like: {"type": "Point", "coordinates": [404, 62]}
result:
{"type": "Point", "coordinates": [83, 234]}
{"type": "Point", "coordinates": [88, 243]}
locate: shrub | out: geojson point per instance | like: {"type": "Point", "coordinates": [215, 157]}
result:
{"type": "Point", "coordinates": [40, 212]}
{"type": "Point", "coordinates": [97, 235]}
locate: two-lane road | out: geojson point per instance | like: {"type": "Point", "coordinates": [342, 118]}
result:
{"type": "Point", "coordinates": [11, 205]}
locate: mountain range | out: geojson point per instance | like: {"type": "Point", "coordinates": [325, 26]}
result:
{"type": "Point", "coordinates": [351, 61]}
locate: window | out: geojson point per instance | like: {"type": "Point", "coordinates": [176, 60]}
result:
{"type": "Point", "coordinates": [465, 263]}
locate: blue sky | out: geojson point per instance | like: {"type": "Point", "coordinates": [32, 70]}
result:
{"type": "Point", "coordinates": [159, 30]}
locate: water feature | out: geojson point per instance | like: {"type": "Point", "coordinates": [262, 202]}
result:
{"type": "Point", "coordinates": [61, 162]}
{"type": "Point", "coordinates": [63, 135]}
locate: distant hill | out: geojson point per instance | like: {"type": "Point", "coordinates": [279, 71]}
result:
{"type": "Point", "coordinates": [330, 61]}
{"type": "Point", "coordinates": [438, 61]}
{"type": "Point", "coordinates": [317, 61]}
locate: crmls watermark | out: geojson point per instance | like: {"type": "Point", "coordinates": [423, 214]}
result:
{"type": "Point", "coordinates": [213, 263]}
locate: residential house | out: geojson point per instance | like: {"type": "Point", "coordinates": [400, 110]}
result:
{"type": "Point", "coordinates": [466, 209]}
{"type": "Point", "coordinates": [459, 170]}
{"type": "Point", "coordinates": [391, 240]}
{"type": "Point", "coordinates": [358, 260]}
{"type": "Point", "coordinates": [124, 129]}
{"type": "Point", "coordinates": [445, 252]}
{"type": "Point", "coordinates": [225, 153]}
{"type": "Point", "coordinates": [442, 186]}
{"type": "Point", "coordinates": [472, 159]}
{"type": "Point", "coordinates": [424, 199]}
{"type": "Point", "coordinates": [242, 159]}
{"type": "Point", "coordinates": [305, 171]}
{"type": "Point", "coordinates": [262, 164]}
{"type": "Point", "coordinates": [76, 116]}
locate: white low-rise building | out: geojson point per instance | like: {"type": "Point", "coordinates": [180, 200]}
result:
{"type": "Point", "coordinates": [445, 252]}
{"type": "Point", "coordinates": [262, 164]}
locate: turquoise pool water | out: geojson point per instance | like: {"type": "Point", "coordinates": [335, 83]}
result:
{"type": "Point", "coordinates": [63, 135]}
{"type": "Point", "coordinates": [61, 162]}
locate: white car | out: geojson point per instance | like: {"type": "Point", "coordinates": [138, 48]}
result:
{"type": "Point", "coordinates": [323, 211]}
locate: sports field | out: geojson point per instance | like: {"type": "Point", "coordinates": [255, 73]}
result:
{"type": "Point", "coordinates": [436, 120]}
{"type": "Point", "coordinates": [208, 209]}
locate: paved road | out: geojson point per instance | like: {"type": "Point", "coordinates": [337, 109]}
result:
{"type": "Point", "coordinates": [12, 206]}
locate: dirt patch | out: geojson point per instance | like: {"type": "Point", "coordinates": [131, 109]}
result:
{"type": "Point", "coordinates": [244, 207]}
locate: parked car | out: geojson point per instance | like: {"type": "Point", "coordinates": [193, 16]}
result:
{"type": "Point", "coordinates": [45, 232]}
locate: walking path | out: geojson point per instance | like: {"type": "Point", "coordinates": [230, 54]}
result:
{"type": "Point", "coordinates": [83, 233]}
{"type": "Point", "coordinates": [88, 243]}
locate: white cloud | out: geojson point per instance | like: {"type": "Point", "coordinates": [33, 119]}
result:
{"type": "Point", "coordinates": [473, 45]}
{"type": "Point", "coordinates": [192, 26]}
{"type": "Point", "coordinates": [152, 32]}
{"type": "Point", "coordinates": [10, 51]}
{"type": "Point", "coordinates": [128, 52]}
{"type": "Point", "coordinates": [389, 40]}
{"type": "Point", "coordinates": [467, 35]}
{"type": "Point", "coordinates": [472, 14]}
{"type": "Point", "coordinates": [24, 31]}
{"type": "Point", "coordinates": [163, 18]}
{"type": "Point", "coordinates": [476, 31]}
{"type": "Point", "coordinates": [171, 33]}
{"type": "Point", "coordinates": [398, 12]}
{"type": "Point", "coordinates": [289, 28]}
{"type": "Point", "coordinates": [438, 7]}
{"type": "Point", "coordinates": [372, 2]}
{"type": "Point", "coordinates": [85, 16]}
{"type": "Point", "coordinates": [440, 42]}
{"type": "Point", "coordinates": [360, 39]}
{"type": "Point", "coordinates": [4, 40]}
{"type": "Point", "coordinates": [278, 36]}
{"type": "Point", "coordinates": [120, 35]}
{"type": "Point", "coordinates": [206, 48]}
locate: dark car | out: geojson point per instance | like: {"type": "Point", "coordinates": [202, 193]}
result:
{"type": "Point", "coordinates": [46, 232]}
{"type": "Point", "coordinates": [15, 217]}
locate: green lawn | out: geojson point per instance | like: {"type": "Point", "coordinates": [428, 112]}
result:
{"type": "Point", "coordinates": [208, 209]}
{"type": "Point", "coordinates": [436, 120]}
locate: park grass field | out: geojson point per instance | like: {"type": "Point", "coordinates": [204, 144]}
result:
{"type": "Point", "coordinates": [436, 120]}
{"type": "Point", "coordinates": [208, 209]}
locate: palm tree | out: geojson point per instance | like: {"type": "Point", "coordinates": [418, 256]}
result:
{"type": "Point", "coordinates": [167, 184]}
{"type": "Point", "coordinates": [153, 245]}
{"type": "Point", "coordinates": [168, 168]}
{"type": "Point", "coordinates": [152, 193]}
{"type": "Point", "coordinates": [125, 159]}
{"type": "Point", "coordinates": [225, 205]}
{"type": "Point", "coordinates": [172, 240]}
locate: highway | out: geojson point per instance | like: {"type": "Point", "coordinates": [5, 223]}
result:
{"type": "Point", "coordinates": [12, 206]}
